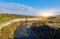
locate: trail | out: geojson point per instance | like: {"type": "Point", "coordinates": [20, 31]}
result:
{"type": "Point", "coordinates": [16, 20]}
{"type": "Point", "coordinates": [8, 23]}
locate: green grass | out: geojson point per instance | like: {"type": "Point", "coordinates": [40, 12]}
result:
{"type": "Point", "coordinates": [5, 19]}
{"type": "Point", "coordinates": [8, 32]}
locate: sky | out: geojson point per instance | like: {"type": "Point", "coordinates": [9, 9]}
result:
{"type": "Point", "coordinates": [30, 7]}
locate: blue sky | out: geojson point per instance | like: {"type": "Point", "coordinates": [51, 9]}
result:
{"type": "Point", "coordinates": [37, 3]}
{"type": "Point", "coordinates": [41, 5]}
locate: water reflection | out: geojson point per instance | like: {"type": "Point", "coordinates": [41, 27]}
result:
{"type": "Point", "coordinates": [36, 32]}
{"type": "Point", "coordinates": [23, 32]}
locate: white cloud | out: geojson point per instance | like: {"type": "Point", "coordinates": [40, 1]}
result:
{"type": "Point", "coordinates": [17, 8]}
{"type": "Point", "coordinates": [23, 9]}
{"type": "Point", "coordinates": [52, 11]}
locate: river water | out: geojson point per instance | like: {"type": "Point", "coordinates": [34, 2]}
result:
{"type": "Point", "coordinates": [23, 32]}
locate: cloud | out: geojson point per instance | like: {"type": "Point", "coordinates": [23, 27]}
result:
{"type": "Point", "coordinates": [17, 8]}
{"type": "Point", "coordinates": [53, 11]}
{"type": "Point", "coordinates": [24, 9]}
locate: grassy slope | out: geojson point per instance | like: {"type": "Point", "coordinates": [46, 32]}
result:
{"type": "Point", "coordinates": [8, 32]}
{"type": "Point", "coordinates": [6, 17]}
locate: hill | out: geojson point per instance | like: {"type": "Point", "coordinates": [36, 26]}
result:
{"type": "Point", "coordinates": [8, 32]}
{"type": "Point", "coordinates": [6, 17]}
